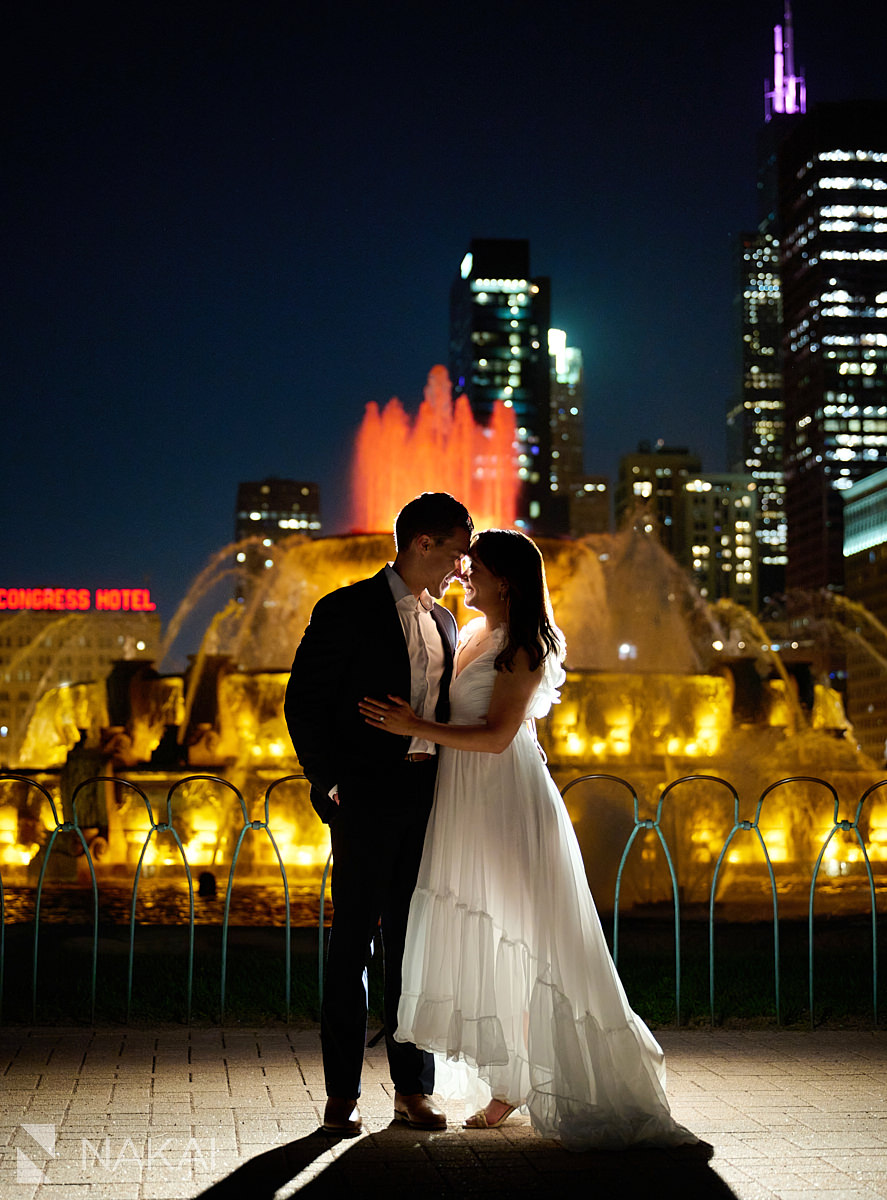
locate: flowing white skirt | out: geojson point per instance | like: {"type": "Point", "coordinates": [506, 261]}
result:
{"type": "Point", "coordinates": [507, 977]}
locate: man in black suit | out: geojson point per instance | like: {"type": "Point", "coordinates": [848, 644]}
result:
{"type": "Point", "coordinates": [384, 636]}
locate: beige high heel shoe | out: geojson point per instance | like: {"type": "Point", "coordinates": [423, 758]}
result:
{"type": "Point", "coordinates": [479, 1120]}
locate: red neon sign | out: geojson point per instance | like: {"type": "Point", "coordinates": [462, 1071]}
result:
{"type": "Point", "coordinates": [61, 599]}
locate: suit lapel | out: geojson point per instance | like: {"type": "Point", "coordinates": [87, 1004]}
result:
{"type": "Point", "coordinates": [447, 637]}
{"type": "Point", "coordinates": [390, 630]}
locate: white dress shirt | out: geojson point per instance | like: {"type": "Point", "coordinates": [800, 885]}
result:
{"type": "Point", "coordinates": [426, 653]}
{"type": "Point", "coordinates": [425, 648]}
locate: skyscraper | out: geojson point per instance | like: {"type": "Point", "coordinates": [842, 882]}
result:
{"type": "Point", "coordinates": [567, 405]}
{"type": "Point", "coordinates": [865, 565]}
{"type": "Point", "coordinates": [706, 522]}
{"type": "Point", "coordinates": [499, 319]}
{"type": "Point", "coordinates": [755, 422]}
{"type": "Point", "coordinates": [755, 418]}
{"type": "Point", "coordinates": [271, 510]}
{"type": "Point", "coordinates": [716, 518]}
{"type": "Point", "coordinates": [655, 478]}
{"type": "Point", "coordinates": [587, 497]}
{"type": "Point", "coordinates": [832, 186]}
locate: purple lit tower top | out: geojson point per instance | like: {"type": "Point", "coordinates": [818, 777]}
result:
{"type": "Point", "coordinates": [789, 92]}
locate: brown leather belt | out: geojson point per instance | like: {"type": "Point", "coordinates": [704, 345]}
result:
{"type": "Point", "coordinates": [418, 757]}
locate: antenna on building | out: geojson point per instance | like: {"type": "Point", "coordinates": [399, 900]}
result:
{"type": "Point", "coordinates": [788, 93]}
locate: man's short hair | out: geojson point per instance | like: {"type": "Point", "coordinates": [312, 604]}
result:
{"type": "Point", "coordinates": [434, 513]}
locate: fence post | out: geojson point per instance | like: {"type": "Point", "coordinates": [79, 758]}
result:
{"type": "Point", "coordinates": [737, 825]}
{"type": "Point", "coordinates": [164, 827]}
{"type": "Point", "coordinates": [637, 825]}
{"type": "Point", "coordinates": [846, 827]}
{"type": "Point", "coordinates": [868, 866]}
{"type": "Point", "coordinates": [247, 824]}
{"type": "Point", "coordinates": [60, 827]}
{"type": "Point", "coordinates": [640, 824]}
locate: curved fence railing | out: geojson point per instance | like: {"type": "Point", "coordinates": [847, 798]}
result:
{"type": "Point", "coordinates": [848, 826]}
{"type": "Point", "coordinates": [654, 824]}
{"type": "Point", "coordinates": [748, 827]}
{"type": "Point", "coordinates": [155, 828]}
{"type": "Point", "coordinates": [665, 819]}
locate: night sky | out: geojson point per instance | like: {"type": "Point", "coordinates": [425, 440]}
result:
{"type": "Point", "coordinates": [229, 226]}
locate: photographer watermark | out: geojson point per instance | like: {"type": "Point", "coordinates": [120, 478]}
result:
{"type": "Point", "coordinates": [108, 1155]}
{"type": "Point", "coordinates": [27, 1169]}
{"type": "Point", "coordinates": [104, 1157]}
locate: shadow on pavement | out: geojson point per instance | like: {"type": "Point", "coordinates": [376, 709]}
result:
{"type": "Point", "coordinates": [433, 1165]}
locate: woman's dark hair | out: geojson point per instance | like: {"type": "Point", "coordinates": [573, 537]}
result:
{"type": "Point", "coordinates": [514, 559]}
{"type": "Point", "coordinates": [436, 514]}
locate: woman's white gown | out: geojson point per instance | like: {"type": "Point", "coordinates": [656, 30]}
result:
{"type": "Point", "coordinates": [506, 969]}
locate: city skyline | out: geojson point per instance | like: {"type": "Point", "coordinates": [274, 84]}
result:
{"type": "Point", "coordinates": [230, 235]}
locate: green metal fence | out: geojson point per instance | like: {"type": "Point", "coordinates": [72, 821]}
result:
{"type": "Point", "coordinates": [155, 827]}
{"type": "Point", "coordinates": [751, 826]}
{"type": "Point", "coordinates": [658, 805]}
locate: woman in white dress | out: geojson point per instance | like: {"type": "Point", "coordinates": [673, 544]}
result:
{"type": "Point", "coordinates": [506, 968]}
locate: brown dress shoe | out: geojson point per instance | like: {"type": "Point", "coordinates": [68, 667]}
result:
{"type": "Point", "coordinates": [342, 1116]}
{"type": "Point", "coordinates": [418, 1111]}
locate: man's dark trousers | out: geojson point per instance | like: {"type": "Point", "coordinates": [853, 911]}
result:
{"type": "Point", "coordinates": [377, 837]}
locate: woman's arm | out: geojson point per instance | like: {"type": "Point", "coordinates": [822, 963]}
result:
{"type": "Point", "coordinates": [512, 692]}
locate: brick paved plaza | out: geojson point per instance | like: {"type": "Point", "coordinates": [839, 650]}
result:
{"type": "Point", "coordinates": [136, 1114]}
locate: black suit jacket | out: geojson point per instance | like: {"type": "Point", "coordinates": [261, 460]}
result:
{"type": "Point", "coordinates": [353, 647]}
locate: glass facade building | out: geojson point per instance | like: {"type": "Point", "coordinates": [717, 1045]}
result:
{"type": "Point", "coordinates": [587, 496]}
{"type": "Point", "coordinates": [719, 516]}
{"type": "Point", "coordinates": [755, 417]}
{"type": "Point", "coordinates": [499, 321]}
{"type": "Point", "coordinates": [865, 567]}
{"type": "Point", "coordinates": [755, 421]}
{"type": "Point", "coordinates": [833, 264]}
{"type": "Point", "coordinates": [567, 412]}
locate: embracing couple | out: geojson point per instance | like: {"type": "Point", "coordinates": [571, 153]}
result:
{"type": "Point", "coordinates": [450, 837]}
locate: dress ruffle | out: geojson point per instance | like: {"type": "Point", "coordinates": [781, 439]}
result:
{"type": "Point", "coordinates": [513, 1033]}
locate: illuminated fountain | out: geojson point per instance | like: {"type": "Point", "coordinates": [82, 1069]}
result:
{"type": "Point", "coordinates": [660, 685]}
{"type": "Point", "coordinates": [442, 450]}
